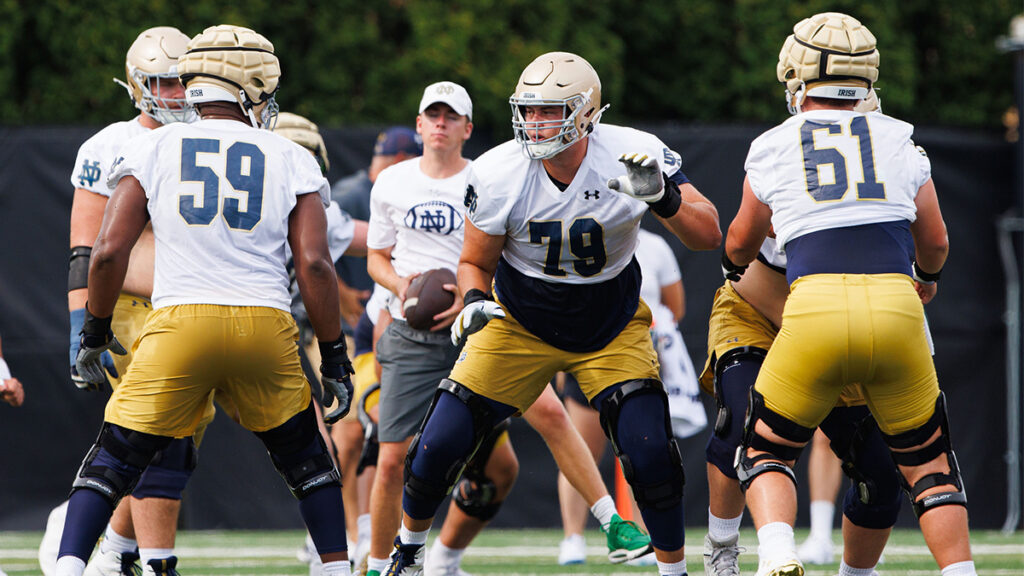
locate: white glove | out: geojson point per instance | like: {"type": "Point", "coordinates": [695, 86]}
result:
{"type": "Point", "coordinates": [473, 318]}
{"type": "Point", "coordinates": [643, 179]}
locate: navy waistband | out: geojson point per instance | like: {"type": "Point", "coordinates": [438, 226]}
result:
{"type": "Point", "coordinates": [880, 248]}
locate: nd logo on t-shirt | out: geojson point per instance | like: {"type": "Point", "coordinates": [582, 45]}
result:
{"type": "Point", "coordinates": [434, 216]}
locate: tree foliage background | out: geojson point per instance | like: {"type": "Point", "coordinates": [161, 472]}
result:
{"type": "Point", "coordinates": [358, 62]}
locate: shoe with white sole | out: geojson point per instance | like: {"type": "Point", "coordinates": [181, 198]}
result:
{"type": "Point", "coordinates": [816, 550]}
{"type": "Point", "coordinates": [572, 550]}
{"type": "Point", "coordinates": [721, 558]}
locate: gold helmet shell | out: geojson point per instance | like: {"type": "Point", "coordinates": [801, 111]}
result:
{"type": "Point", "coordinates": [152, 56]}
{"type": "Point", "coordinates": [829, 55]}
{"type": "Point", "coordinates": [300, 130]}
{"type": "Point", "coordinates": [235, 64]}
{"type": "Point", "coordinates": [557, 79]}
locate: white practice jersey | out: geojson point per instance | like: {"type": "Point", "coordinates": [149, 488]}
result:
{"type": "Point", "coordinates": [97, 154]}
{"type": "Point", "coordinates": [828, 169]}
{"type": "Point", "coordinates": [659, 267]}
{"type": "Point", "coordinates": [584, 235]}
{"type": "Point", "coordinates": [422, 217]}
{"type": "Point", "coordinates": [219, 196]}
{"type": "Point", "coordinates": [772, 254]}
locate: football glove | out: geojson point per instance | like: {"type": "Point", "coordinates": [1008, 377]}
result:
{"type": "Point", "coordinates": [474, 317]}
{"type": "Point", "coordinates": [643, 179]}
{"type": "Point", "coordinates": [336, 378]}
{"type": "Point", "coordinates": [77, 319]}
{"type": "Point", "coordinates": [732, 271]}
{"type": "Point", "coordinates": [96, 339]}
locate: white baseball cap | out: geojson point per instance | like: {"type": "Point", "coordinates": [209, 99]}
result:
{"type": "Point", "coordinates": [451, 94]}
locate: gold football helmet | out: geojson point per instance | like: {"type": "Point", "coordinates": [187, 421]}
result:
{"type": "Point", "coordinates": [234, 64]}
{"type": "Point", "coordinates": [828, 55]}
{"type": "Point", "coordinates": [304, 133]}
{"type": "Point", "coordinates": [557, 79]}
{"type": "Point", "coordinates": [154, 55]}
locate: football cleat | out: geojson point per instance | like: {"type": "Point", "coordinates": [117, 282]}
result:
{"type": "Point", "coordinates": [50, 545]}
{"type": "Point", "coordinates": [626, 540]}
{"type": "Point", "coordinates": [113, 564]}
{"type": "Point", "coordinates": [816, 550]}
{"type": "Point", "coordinates": [572, 550]}
{"type": "Point", "coordinates": [161, 567]}
{"type": "Point", "coordinates": [406, 560]}
{"type": "Point", "coordinates": [436, 567]}
{"type": "Point", "coordinates": [722, 558]}
{"type": "Point", "coordinates": [780, 566]}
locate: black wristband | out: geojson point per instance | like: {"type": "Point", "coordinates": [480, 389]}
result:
{"type": "Point", "coordinates": [670, 201]}
{"type": "Point", "coordinates": [94, 326]}
{"type": "Point", "coordinates": [925, 277]}
{"type": "Point", "coordinates": [475, 295]}
{"type": "Point", "coordinates": [335, 351]}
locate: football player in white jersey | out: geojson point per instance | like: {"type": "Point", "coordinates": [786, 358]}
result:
{"type": "Point", "coordinates": [552, 220]}
{"type": "Point", "coordinates": [224, 199]}
{"type": "Point", "coordinates": [152, 83]}
{"type": "Point", "coordinates": [852, 203]}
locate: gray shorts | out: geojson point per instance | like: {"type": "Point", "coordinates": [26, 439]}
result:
{"type": "Point", "coordinates": [413, 363]}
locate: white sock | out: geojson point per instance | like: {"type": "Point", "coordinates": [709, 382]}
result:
{"type": "Point", "coordinates": [722, 529]}
{"type": "Point", "coordinates": [822, 515]}
{"type": "Point", "coordinates": [409, 537]}
{"type": "Point", "coordinates": [378, 564]}
{"type": "Point", "coordinates": [965, 568]}
{"type": "Point", "coordinates": [603, 510]}
{"type": "Point", "coordinates": [363, 522]}
{"type": "Point", "coordinates": [847, 570]}
{"type": "Point", "coordinates": [775, 539]}
{"type": "Point", "coordinates": [445, 556]}
{"type": "Point", "coordinates": [70, 566]}
{"type": "Point", "coordinates": [672, 568]}
{"type": "Point", "coordinates": [147, 554]}
{"type": "Point", "coordinates": [114, 542]}
{"type": "Point", "coordinates": [337, 568]}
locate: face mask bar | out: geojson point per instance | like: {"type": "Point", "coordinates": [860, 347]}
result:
{"type": "Point", "coordinates": [547, 147]}
{"type": "Point", "coordinates": [163, 110]}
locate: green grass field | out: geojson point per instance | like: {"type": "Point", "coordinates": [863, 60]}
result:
{"type": "Point", "coordinates": [515, 552]}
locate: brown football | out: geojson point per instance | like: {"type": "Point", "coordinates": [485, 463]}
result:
{"type": "Point", "coordinates": [427, 297]}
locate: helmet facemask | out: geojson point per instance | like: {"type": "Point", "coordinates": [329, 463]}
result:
{"type": "Point", "coordinates": [152, 103]}
{"type": "Point", "coordinates": [574, 115]}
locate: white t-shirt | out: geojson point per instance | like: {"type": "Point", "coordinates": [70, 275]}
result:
{"type": "Point", "coordinates": [659, 268]}
{"type": "Point", "coordinates": [422, 217]}
{"type": "Point", "coordinates": [98, 153]}
{"type": "Point", "coordinates": [861, 169]}
{"type": "Point", "coordinates": [219, 196]}
{"type": "Point", "coordinates": [584, 235]}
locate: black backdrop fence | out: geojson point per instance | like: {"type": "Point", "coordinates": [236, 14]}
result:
{"type": "Point", "coordinates": [235, 486]}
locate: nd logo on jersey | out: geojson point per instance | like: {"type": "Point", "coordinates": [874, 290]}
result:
{"type": "Point", "coordinates": [90, 173]}
{"type": "Point", "coordinates": [434, 216]}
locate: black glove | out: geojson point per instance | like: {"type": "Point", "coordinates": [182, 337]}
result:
{"type": "Point", "coordinates": [96, 339]}
{"type": "Point", "coordinates": [335, 377]}
{"type": "Point", "coordinates": [731, 271]}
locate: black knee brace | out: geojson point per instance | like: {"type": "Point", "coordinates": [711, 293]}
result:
{"type": "Point", "coordinates": [475, 492]}
{"type": "Point", "coordinates": [169, 471]}
{"type": "Point", "coordinates": [873, 500]}
{"type": "Point", "coordinates": [748, 467]}
{"type": "Point", "coordinates": [729, 359]}
{"type": "Point", "coordinates": [922, 454]}
{"type": "Point", "coordinates": [661, 495]}
{"type": "Point", "coordinates": [483, 418]}
{"type": "Point", "coordinates": [300, 454]}
{"type": "Point", "coordinates": [131, 451]}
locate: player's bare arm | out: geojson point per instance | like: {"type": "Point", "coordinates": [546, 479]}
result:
{"type": "Point", "coordinates": [479, 259]}
{"type": "Point", "coordinates": [123, 222]}
{"type": "Point", "coordinates": [696, 221]}
{"type": "Point", "coordinates": [86, 216]}
{"type": "Point", "coordinates": [314, 270]}
{"type": "Point", "coordinates": [749, 228]}
{"type": "Point", "coordinates": [674, 298]}
{"type": "Point", "coordinates": [358, 245]}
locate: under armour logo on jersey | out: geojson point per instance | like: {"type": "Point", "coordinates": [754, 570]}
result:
{"type": "Point", "coordinates": [470, 200]}
{"type": "Point", "coordinates": [587, 194]}
{"type": "Point", "coordinates": [90, 173]}
{"type": "Point", "coordinates": [434, 216]}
